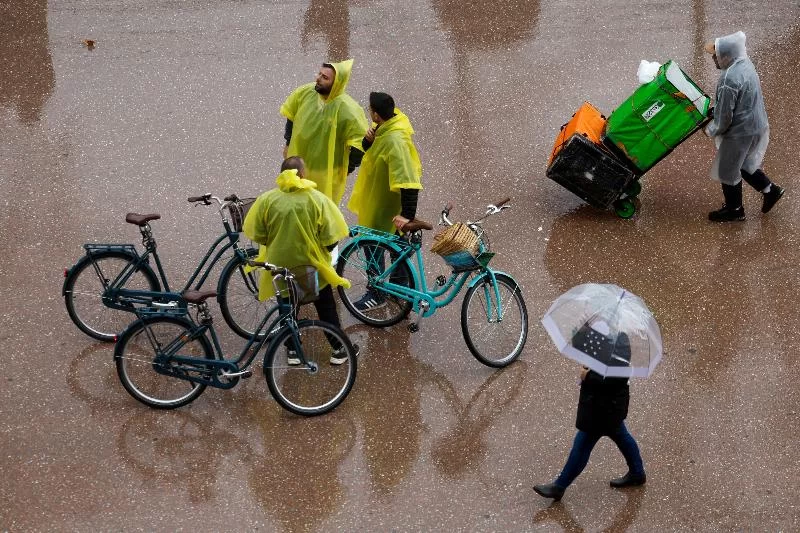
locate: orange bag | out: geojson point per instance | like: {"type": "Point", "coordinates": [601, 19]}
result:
{"type": "Point", "coordinates": [587, 121]}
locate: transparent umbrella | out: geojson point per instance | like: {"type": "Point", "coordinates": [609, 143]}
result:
{"type": "Point", "coordinates": [605, 328]}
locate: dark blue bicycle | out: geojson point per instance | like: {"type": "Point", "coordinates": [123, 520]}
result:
{"type": "Point", "coordinates": [166, 359]}
{"type": "Point", "coordinates": [91, 285]}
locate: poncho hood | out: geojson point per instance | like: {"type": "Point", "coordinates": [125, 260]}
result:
{"type": "Point", "coordinates": [289, 181]}
{"type": "Point", "coordinates": [343, 70]}
{"type": "Point", "coordinates": [730, 48]}
{"type": "Point", "coordinates": [399, 122]}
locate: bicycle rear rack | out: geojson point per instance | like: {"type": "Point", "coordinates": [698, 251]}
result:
{"type": "Point", "coordinates": [360, 231]}
{"type": "Point", "coordinates": [95, 247]}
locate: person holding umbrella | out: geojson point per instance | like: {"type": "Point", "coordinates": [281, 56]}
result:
{"type": "Point", "coordinates": [593, 324]}
{"type": "Point", "coordinates": [602, 409]}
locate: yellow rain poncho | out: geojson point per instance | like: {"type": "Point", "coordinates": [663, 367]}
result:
{"type": "Point", "coordinates": [390, 164]}
{"type": "Point", "coordinates": [295, 223]}
{"type": "Point", "coordinates": [325, 130]}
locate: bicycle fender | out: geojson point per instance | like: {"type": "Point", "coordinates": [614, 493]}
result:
{"type": "Point", "coordinates": [492, 275]}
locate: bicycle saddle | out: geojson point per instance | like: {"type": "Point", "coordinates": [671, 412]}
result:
{"type": "Point", "coordinates": [198, 297]}
{"type": "Point", "coordinates": [416, 225]}
{"type": "Point", "coordinates": [141, 220]}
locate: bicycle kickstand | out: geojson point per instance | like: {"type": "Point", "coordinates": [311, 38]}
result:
{"type": "Point", "coordinates": [413, 327]}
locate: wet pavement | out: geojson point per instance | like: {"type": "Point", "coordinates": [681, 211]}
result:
{"type": "Point", "coordinates": [181, 98]}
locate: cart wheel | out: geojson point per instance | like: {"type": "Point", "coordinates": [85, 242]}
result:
{"type": "Point", "coordinates": [624, 208]}
{"type": "Point", "coordinates": [634, 188]}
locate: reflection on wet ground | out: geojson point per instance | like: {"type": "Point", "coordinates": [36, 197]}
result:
{"type": "Point", "coordinates": [181, 98]}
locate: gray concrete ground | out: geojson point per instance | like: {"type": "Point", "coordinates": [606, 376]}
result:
{"type": "Point", "coordinates": [182, 98]}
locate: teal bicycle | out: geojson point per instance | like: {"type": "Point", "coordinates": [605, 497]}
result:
{"type": "Point", "coordinates": [388, 279]}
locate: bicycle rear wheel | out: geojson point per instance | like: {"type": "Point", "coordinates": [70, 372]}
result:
{"type": "Point", "coordinates": [237, 295]}
{"type": "Point", "coordinates": [318, 385]}
{"type": "Point", "coordinates": [135, 353]}
{"type": "Point", "coordinates": [360, 264]}
{"type": "Point", "coordinates": [83, 292]}
{"type": "Point", "coordinates": [494, 342]}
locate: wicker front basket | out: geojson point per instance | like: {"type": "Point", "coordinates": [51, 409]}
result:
{"type": "Point", "coordinates": [456, 238]}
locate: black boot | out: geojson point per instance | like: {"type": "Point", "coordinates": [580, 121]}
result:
{"type": "Point", "coordinates": [732, 208]}
{"type": "Point", "coordinates": [771, 198]}
{"type": "Point", "coordinates": [628, 480]}
{"type": "Point", "coordinates": [726, 214]}
{"type": "Point", "coordinates": [550, 490]}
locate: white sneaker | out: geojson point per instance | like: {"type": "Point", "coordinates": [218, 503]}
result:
{"type": "Point", "coordinates": [291, 358]}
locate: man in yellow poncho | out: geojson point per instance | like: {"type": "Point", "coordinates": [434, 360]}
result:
{"type": "Point", "coordinates": [389, 181]}
{"type": "Point", "coordinates": [325, 127]}
{"type": "Point", "coordinates": [298, 225]}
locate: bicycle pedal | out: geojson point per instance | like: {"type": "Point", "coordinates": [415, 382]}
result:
{"type": "Point", "coordinates": [413, 327]}
{"type": "Point", "coordinates": [247, 374]}
{"type": "Point", "coordinates": [441, 280]}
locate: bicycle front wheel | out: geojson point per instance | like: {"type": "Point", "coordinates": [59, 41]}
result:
{"type": "Point", "coordinates": [311, 378]}
{"type": "Point", "coordinates": [495, 342]}
{"type": "Point", "coordinates": [237, 294]}
{"type": "Point", "coordinates": [361, 264]}
{"type": "Point", "coordinates": [84, 287]}
{"type": "Point", "coordinates": [135, 354]}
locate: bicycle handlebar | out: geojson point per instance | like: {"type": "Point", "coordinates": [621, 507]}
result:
{"type": "Point", "coordinates": [206, 200]}
{"type": "Point", "coordinates": [269, 266]}
{"type": "Point", "coordinates": [490, 210]}
{"type": "Point", "coordinates": [202, 199]}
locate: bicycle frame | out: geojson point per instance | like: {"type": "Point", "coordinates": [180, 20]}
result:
{"type": "Point", "coordinates": [424, 302]}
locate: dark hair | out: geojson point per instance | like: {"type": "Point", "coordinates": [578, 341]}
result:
{"type": "Point", "coordinates": [295, 162]}
{"type": "Point", "coordinates": [382, 104]}
{"type": "Point", "coordinates": [328, 65]}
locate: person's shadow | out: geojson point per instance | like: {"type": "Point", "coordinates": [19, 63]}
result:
{"type": "Point", "coordinates": [386, 401]}
{"type": "Point", "coordinates": [330, 19]}
{"type": "Point", "coordinates": [28, 78]}
{"type": "Point", "coordinates": [296, 477]}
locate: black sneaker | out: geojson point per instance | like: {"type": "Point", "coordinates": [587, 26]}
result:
{"type": "Point", "coordinates": [726, 214]}
{"type": "Point", "coordinates": [771, 198]}
{"type": "Point", "coordinates": [370, 301]}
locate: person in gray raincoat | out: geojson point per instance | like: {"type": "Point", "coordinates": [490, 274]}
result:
{"type": "Point", "coordinates": [740, 129]}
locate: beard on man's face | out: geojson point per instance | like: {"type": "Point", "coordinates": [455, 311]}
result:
{"type": "Point", "coordinates": [322, 90]}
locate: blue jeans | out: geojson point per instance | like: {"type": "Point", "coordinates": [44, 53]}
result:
{"type": "Point", "coordinates": [582, 449]}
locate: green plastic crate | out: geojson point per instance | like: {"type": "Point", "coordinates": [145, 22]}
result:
{"type": "Point", "coordinates": [657, 117]}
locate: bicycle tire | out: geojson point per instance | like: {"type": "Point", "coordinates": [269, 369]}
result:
{"type": "Point", "coordinates": [237, 296]}
{"type": "Point", "coordinates": [316, 389]}
{"type": "Point", "coordinates": [357, 266]}
{"type": "Point", "coordinates": [494, 343]}
{"type": "Point", "coordinates": [83, 292]}
{"type": "Point", "coordinates": [134, 355]}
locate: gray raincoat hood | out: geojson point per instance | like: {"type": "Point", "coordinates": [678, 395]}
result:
{"type": "Point", "coordinates": [730, 48]}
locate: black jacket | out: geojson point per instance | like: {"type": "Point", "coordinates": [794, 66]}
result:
{"type": "Point", "coordinates": [603, 404]}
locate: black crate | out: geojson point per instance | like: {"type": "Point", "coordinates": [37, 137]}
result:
{"type": "Point", "coordinates": [590, 171]}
